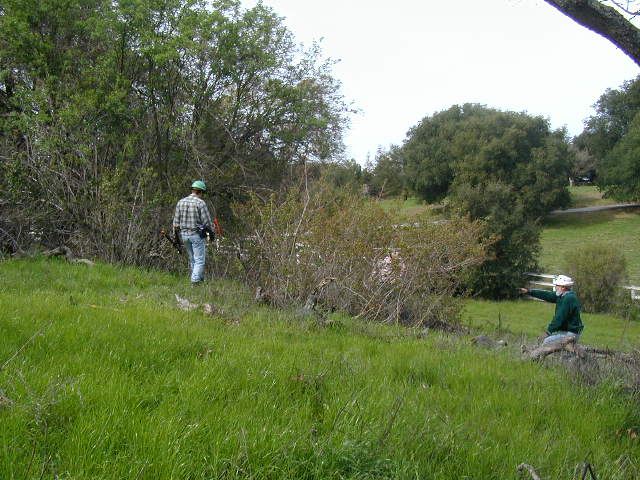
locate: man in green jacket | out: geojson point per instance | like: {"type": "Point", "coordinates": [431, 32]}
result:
{"type": "Point", "coordinates": [566, 320]}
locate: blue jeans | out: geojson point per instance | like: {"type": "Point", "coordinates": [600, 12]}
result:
{"type": "Point", "coordinates": [196, 249]}
{"type": "Point", "coordinates": [561, 334]}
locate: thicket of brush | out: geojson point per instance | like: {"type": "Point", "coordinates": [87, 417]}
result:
{"type": "Point", "coordinates": [356, 258]}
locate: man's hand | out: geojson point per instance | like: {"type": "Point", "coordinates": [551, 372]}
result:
{"type": "Point", "coordinates": [523, 291]}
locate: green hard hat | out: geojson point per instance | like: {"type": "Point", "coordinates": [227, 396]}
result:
{"type": "Point", "coordinates": [199, 184]}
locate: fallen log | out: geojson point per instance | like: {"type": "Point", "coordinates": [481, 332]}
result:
{"type": "Point", "coordinates": [484, 341]}
{"type": "Point", "coordinates": [596, 352]}
{"type": "Point", "coordinates": [68, 254]}
{"type": "Point", "coordinates": [530, 469]}
{"type": "Point", "coordinates": [582, 351]}
{"type": "Point", "coordinates": [566, 343]}
{"type": "Point", "coordinates": [211, 310]}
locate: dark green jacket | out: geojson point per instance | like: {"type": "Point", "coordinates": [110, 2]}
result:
{"type": "Point", "coordinates": [567, 316]}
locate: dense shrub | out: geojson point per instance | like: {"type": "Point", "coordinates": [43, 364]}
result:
{"type": "Point", "coordinates": [512, 235]}
{"type": "Point", "coordinates": [383, 272]}
{"type": "Point", "coordinates": [599, 269]}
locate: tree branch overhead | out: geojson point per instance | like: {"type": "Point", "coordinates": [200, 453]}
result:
{"type": "Point", "coordinates": [605, 21]}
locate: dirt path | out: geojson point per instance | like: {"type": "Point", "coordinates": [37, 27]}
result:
{"type": "Point", "coordinates": [594, 209]}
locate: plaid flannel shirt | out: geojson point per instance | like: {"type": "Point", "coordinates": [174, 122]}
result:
{"type": "Point", "coordinates": [191, 211]}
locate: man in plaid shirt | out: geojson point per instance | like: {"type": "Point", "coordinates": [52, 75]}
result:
{"type": "Point", "coordinates": [192, 218]}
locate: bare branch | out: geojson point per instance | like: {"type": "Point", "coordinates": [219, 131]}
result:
{"type": "Point", "coordinates": [626, 9]}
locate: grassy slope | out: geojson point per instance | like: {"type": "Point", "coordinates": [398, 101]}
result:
{"type": "Point", "coordinates": [620, 228]}
{"type": "Point", "coordinates": [123, 385]}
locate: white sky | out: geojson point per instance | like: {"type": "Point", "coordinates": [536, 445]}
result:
{"type": "Point", "coordinates": [402, 60]}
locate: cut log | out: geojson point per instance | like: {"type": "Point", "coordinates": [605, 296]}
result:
{"type": "Point", "coordinates": [185, 304]}
{"type": "Point", "coordinates": [530, 469]}
{"type": "Point", "coordinates": [68, 254]}
{"type": "Point", "coordinates": [261, 296]}
{"type": "Point", "coordinates": [309, 307]}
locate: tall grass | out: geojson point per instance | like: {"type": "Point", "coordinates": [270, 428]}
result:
{"type": "Point", "coordinates": [122, 384]}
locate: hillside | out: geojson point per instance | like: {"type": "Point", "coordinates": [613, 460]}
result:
{"type": "Point", "coordinates": [119, 383]}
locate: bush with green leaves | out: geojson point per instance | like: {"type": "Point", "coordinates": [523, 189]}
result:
{"type": "Point", "coordinates": [513, 238]}
{"type": "Point", "coordinates": [599, 270]}
{"type": "Point", "coordinates": [372, 267]}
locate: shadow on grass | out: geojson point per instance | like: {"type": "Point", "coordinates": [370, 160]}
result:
{"type": "Point", "coordinates": [587, 219]}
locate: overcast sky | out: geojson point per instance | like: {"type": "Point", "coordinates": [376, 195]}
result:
{"type": "Point", "coordinates": [402, 60]}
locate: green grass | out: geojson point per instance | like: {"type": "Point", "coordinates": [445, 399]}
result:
{"type": "Point", "coordinates": [563, 233]}
{"type": "Point", "coordinates": [408, 209]}
{"type": "Point", "coordinates": [588, 196]}
{"type": "Point", "coordinates": [529, 318]}
{"type": "Point", "coordinates": [122, 384]}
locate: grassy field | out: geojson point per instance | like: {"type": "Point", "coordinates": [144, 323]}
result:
{"type": "Point", "coordinates": [619, 228]}
{"type": "Point", "coordinates": [528, 319]}
{"type": "Point", "coordinates": [408, 209]}
{"type": "Point", "coordinates": [588, 196]}
{"type": "Point", "coordinates": [102, 377]}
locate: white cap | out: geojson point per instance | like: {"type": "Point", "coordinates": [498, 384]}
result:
{"type": "Point", "coordinates": [563, 281]}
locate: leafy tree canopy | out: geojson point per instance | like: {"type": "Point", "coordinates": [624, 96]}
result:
{"type": "Point", "coordinates": [387, 176]}
{"type": "Point", "coordinates": [612, 136]}
{"type": "Point", "coordinates": [474, 145]}
{"type": "Point", "coordinates": [619, 171]}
